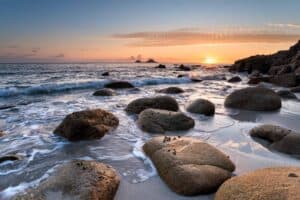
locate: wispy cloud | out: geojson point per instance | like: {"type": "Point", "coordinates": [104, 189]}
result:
{"type": "Point", "coordinates": [293, 26]}
{"type": "Point", "coordinates": [194, 36]}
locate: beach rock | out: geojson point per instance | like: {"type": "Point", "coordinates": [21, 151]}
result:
{"type": "Point", "coordinates": [119, 85]}
{"type": "Point", "coordinates": [278, 183]}
{"type": "Point", "coordinates": [295, 89]}
{"type": "Point", "coordinates": [181, 75]}
{"type": "Point", "coordinates": [184, 68]}
{"type": "Point", "coordinates": [138, 61]}
{"type": "Point", "coordinates": [160, 66]}
{"type": "Point", "coordinates": [256, 80]}
{"type": "Point", "coordinates": [1, 133]}
{"type": "Point", "coordinates": [79, 180]}
{"type": "Point", "coordinates": [189, 166]}
{"type": "Point", "coordinates": [159, 121]}
{"type": "Point", "coordinates": [254, 98]}
{"type": "Point", "coordinates": [105, 92]}
{"type": "Point", "coordinates": [150, 60]}
{"type": "Point", "coordinates": [235, 79]}
{"type": "Point", "coordinates": [171, 90]}
{"type": "Point", "coordinates": [284, 80]}
{"type": "Point", "coordinates": [286, 94]}
{"type": "Point", "coordinates": [159, 102]}
{"type": "Point", "coordinates": [9, 158]}
{"type": "Point", "coordinates": [201, 106]}
{"type": "Point", "coordinates": [105, 74]}
{"type": "Point", "coordinates": [278, 138]}
{"type": "Point", "coordinates": [87, 125]}
{"type": "Point", "coordinates": [197, 80]}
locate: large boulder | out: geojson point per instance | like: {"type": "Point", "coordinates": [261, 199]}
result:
{"type": "Point", "coordinates": [279, 183]}
{"type": "Point", "coordinates": [171, 90]}
{"type": "Point", "coordinates": [189, 166]}
{"type": "Point", "coordinates": [235, 79]}
{"type": "Point", "coordinates": [159, 102]}
{"type": "Point", "coordinates": [201, 106]}
{"type": "Point", "coordinates": [80, 180]}
{"type": "Point", "coordinates": [119, 85]}
{"type": "Point", "coordinates": [286, 94]}
{"type": "Point", "coordinates": [87, 125]}
{"type": "Point", "coordinates": [159, 121]}
{"type": "Point", "coordinates": [278, 138]}
{"type": "Point", "coordinates": [105, 92]}
{"type": "Point", "coordinates": [254, 98]}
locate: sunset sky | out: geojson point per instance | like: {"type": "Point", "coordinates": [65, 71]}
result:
{"type": "Point", "coordinates": [190, 31]}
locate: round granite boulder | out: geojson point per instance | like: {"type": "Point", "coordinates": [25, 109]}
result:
{"type": "Point", "coordinates": [254, 98]}
{"type": "Point", "coordinates": [159, 121]}
{"type": "Point", "coordinates": [159, 102]}
{"type": "Point", "coordinates": [278, 138]}
{"type": "Point", "coordinates": [189, 166]}
{"type": "Point", "coordinates": [278, 183]}
{"type": "Point", "coordinates": [201, 106]}
{"type": "Point", "coordinates": [119, 85]}
{"type": "Point", "coordinates": [87, 125]}
{"type": "Point", "coordinates": [80, 180]}
{"type": "Point", "coordinates": [105, 92]}
{"type": "Point", "coordinates": [171, 90]}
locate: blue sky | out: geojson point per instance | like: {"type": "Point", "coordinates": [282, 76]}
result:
{"type": "Point", "coordinates": [55, 28]}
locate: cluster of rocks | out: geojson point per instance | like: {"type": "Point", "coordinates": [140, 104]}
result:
{"type": "Point", "coordinates": [281, 68]}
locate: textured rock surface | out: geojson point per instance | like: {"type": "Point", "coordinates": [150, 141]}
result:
{"type": "Point", "coordinates": [281, 183]}
{"type": "Point", "coordinates": [280, 139]}
{"type": "Point", "coordinates": [159, 102]}
{"type": "Point", "coordinates": [254, 98]}
{"type": "Point", "coordinates": [234, 79]}
{"type": "Point", "coordinates": [119, 85]}
{"type": "Point", "coordinates": [188, 166]}
{"type": "Point", "coordinates": [87, 125]}
{"type": "Point", "coordinates": [81, 180]}
{"type": "Point", "coordinates": [286, 94]}
{"type": "Point", "coordinates": [105, 92]}
{"type": "Point", "coordinates": [171, 90]}
{"type": "Point", "coordinates": [159, 121]}
{"type": "Point", "coordinates": [201, 106]}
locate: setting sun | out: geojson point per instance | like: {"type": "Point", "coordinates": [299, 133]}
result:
{"type": "Point", "coordinates": [210, 60]}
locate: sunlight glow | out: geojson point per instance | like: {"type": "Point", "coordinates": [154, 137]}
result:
{"type": "Point", "coordinates": [210, 60]}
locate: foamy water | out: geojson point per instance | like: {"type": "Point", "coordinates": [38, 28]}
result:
{"type": "Point", "coordinates": [35, 98]}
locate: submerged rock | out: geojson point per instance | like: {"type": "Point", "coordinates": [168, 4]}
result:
{"type": "Point", "coordinates": [201, 106]}
{"type": "Point", "coordinates": [235, 79]}
{"type": "Point", "coordinates": [161, 66]}
{"type": "Point", "coordinates": [105, 92]}
{"type": "Point", "coordinates": [280, 183]}
{"type": "Point", "coordinates": [189, 166]}
{"type": "Point", "coordinates": [171, 90]}
{"type": "Point", "coordinates": [159, 121]}
{"type": "Point", "coordinates": [295, 89]}
{"type": "Point", "coordinates": [254, 98]}
{"type": "Point", "coordinates": [1, 133]}
{"type": "Point", "coordinates": [80, 180]}
{"type": "Point", "coordinates": [159, 102]}
{"type": "Point", "coordinates": [9, 158]}
{"type": "Point", "coordinates": [286, 94]}
{"type": "Point", "coordinates": [184, 68]}
{"type": "Point", "coordinates": [105, 74]}
{"type": "Point", "coordinates": [278, 138]}
{"type": "Point", "coordinates": [119, 85]}
{"type": "Point", "coordinates": [87, 125]}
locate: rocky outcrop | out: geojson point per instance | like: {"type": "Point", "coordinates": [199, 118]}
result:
{"type": "Point", "coordinates": [189, 166]}
{"type": "Point", "coordinates": [235, 79]}
{"type": "Point", "coordinates": [201, 106]}
{"type": "Point", "coordinates": [282, 67]}
{"type": "Point", "coordinates": [151, 60]}
{"type": "Point", "coordinates": [87, 125]}
{"type": "Point", "coordinates": [159, 121]}
{"type": "Point", "coordinates": [280, 183]}
{"type": "Point", "coordinates": [161, 66]}
{"type": "Point", "coordinates": [286, 94]}
{"type": "Point", "coordinates": [159, 102]}
{"type": "Point", "coordinates": [278, 138]}
{"type": "Point", "coordinates": [254, 98]}
{"type": "Point", "coordinates": [80, 180]}
{"type": "Point", "coordinates": [105, 74]}
{"type": "Point", "coordinates": [104, 92]}
{"type": "Point", "coordinates": [171, 90]}
{"type": "Point", "coordinates": [184, 68]}
{"type": "Point", "coordinates": [119, 85]}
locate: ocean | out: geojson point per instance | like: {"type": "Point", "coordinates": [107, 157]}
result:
{"type": "Point", "coordinates": [34, 99]}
